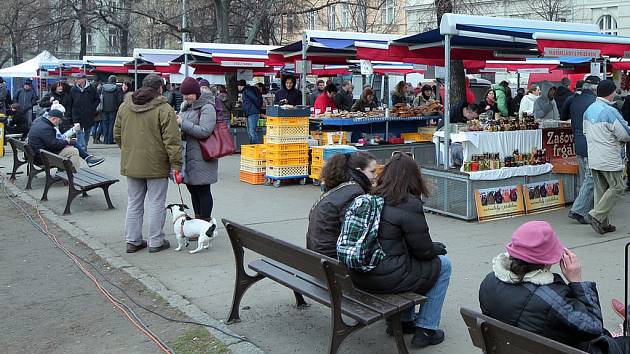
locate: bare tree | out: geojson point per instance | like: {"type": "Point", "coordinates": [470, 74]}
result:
{"type": "Point", "coordinates": [550, 10]}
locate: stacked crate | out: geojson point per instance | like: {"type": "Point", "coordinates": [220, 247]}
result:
{"type": "Point", "coordinates": [286, 145]}
{"type": "Point", "coordinates": [321, 154]}
{"type": "Point", "coordinates": [253, 164]}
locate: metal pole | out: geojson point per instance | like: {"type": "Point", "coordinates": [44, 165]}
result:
{"type": "Point", "coordinates": [518, 80]}
{"type": "Point", "coordinates": [604, 67]}
{"type": "Point", "coordinates": [184, 37]}
{"type": "Point", "coordinates": [304, 56]}
{"type": "Point", "coordinates": [447, 100]}
{"type": "Point", "coordinates": [135, 74]}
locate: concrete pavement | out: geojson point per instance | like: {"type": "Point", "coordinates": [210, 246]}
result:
{"type": "Point", "coordinates": [269, 319]}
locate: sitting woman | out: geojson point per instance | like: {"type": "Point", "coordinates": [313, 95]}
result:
{"type": "Point", "coordinates": [522, 291]}
{"type": "Point", "coordinates": [366, 102]}
{"type": "Point", "coordinates": [345, 177]}
{"type": "Point", "coordinates": [412, 262]}
{"type": "Point", "coordinates": [489, 103]}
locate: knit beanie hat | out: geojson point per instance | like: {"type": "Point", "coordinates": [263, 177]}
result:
{"type": "Point", "coordinates": [605, 88]}
{"type": "Point", "coordinates": [112, 79]}
{"type": "Point", "coordinates": [241, 82]}
{"type": "Point", "coordinates": [204, 82]}
{"type": "Point", "coordinates": [537, 243]}
{"type": "Point", "coordinates": [153, 81]}
{"type": "Point", "coordinates": [189, 86]}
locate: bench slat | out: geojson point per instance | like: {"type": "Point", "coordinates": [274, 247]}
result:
{"type": "Point", "coordinates": [96, 175]}
{"type": "Point", "coordinates": [387, 304]}
{"type": "Point", "coordinates": [349, 308]}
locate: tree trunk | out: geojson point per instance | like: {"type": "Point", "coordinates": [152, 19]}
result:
{"type": "Point", "coordinates": [83, 47]}
{"type": "Point", "coordinates": [222, 11]}
{"type": "Point", "coordinates": [15, 55]}
{"type": "Point", "coordinates": [124, 41]}
{"type": "Point", "coordinates": [458, 78]}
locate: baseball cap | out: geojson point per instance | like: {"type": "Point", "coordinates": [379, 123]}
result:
{"type": "Point", "coordinates": [55, 113]}
{"type": "Point", "coordinates": [592, 79]}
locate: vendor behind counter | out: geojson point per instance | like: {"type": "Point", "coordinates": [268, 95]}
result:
{"type": "Point", "coordinates": [461, 112]}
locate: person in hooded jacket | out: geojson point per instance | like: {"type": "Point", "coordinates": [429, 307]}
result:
{"type": "Point", "coordinates": [522, 291]}
{"type": "Point", "coordinates": [27, 98]}
{"type": "Point", "coordinates": [563, 92]}
{"type": "Point", "coordinates": [197, 121]}
{"type": "Point", "coordinates": [84, 100]}
{"type": "Point", "coordinates": [112, 96]}
{"type": "Point", "coordinates": [59, 91]}
{"type": "Point", "coordinates": [527, 102]}
{"type": "Point", "coordinates": [150, 143]}
{"type": "Point", "coordinates": [412, 262]}
{"type": "Point", "coordinates": [545, 107]}
{"type": "Point", "coordinates": [503, 96]}
{"type": "Point", "coordinates": [345, 176]}
{"type": "Point", "coordinates": [288, 94]}
{"type": "Point", "coordinates": [366, 101]}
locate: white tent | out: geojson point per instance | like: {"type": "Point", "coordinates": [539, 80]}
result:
{"type": "Point", "coordinates": [28, 68]}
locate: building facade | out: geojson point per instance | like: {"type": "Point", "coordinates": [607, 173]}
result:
{"type": "Point", "coordinates": [612, 16]}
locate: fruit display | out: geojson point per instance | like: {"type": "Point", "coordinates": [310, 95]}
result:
{"type": "Point", "coordinates": [492, 161]}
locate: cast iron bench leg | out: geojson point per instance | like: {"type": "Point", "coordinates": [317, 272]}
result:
{"type": "Point", "coordinates": [107, 199]}
{"type": "Point", "coordinates": [398, 333]}
{"type": "Point", "coordinates": [242, 282]}
{"type": "Point", "coordinates": [299, 300]}
{"type": "Point", "coordinates": [31, 175]}
{"type": "Point", "coordinates": [71, 195]}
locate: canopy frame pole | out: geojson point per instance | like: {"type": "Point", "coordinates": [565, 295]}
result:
{"type": "Point", "coordinates": [518, 80]}
{"type": "Point", "coordinates": [604, 61]}
{"type": "Point", "coordinates": [447, 100]}
{"type": "Point", "coordinates": [304, 56]}
{"type": "Point", "coordinates": [185, 65]}
{"type": "Point", "coordinates": [135, 74]}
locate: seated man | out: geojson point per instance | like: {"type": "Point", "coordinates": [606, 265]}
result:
{"type": "Point", "coordinates": [43, 135]}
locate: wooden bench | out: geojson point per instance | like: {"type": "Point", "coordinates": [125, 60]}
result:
{"type": "Point", "coordinates": [495, 337]}
{"type": "Point", "coordinates": [79, 181]}
{"type": "Point", "coordinates": [320, 278]}
{"type": "Point", "coordinates": [32, 169]}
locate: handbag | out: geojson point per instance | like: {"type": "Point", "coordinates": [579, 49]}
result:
{"type": "Point", "coordinates": [220, 143]}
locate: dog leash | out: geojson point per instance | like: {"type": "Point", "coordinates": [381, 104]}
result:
{"type": "Point", "coordinates": [178, 179]}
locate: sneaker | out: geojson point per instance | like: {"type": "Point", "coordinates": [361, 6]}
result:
{"type": "Point", "coordinates": [577, 217]}
{"type": "Point", "coordinates": [425, 337]}
{"type": "Point", "coordinates": [595, 224]}
{"type": "Point", "coordinates": [618, 308]}
{"type": "Point", "coordinates": [165, 245]}
{"type": "Point", "coordinates": [408, 327]}
{"type": "Point", "coordinates": [94, 161]}
{"type": "Point", "coordinates": [131, 248]}
{"type": "Point", "coordinates": [610, 228]}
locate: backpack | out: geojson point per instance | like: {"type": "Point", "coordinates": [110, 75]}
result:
{"type": "Point", "coordinates": [357, 246]}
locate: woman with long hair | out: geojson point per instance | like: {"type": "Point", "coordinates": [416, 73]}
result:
{"type": "Point", "coordinates": [399, 95]}
{"type": "Point", "coordinates": [527, 103]}
{"type": "Point", "coordinates": [412, 262]}
{"type": "Point", "coordinates": [489, 103]}
{"type": "Point", "coordinates": [345, 177]}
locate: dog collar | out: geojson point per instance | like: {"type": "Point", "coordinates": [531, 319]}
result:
{"type": "Point", "coordinates": [178, 218]}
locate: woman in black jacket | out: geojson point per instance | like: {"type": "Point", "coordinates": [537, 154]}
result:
{"type": "Point", "coordinates": [60, 91]}
{"type": "Point", "coordinates": [523, 292]}
{"type": "Point", "coordinates": [489, 103]}
{"type": "Point", "coordinates": [412, 262]}
{"type": "Point", "coordinates": [345, 176]}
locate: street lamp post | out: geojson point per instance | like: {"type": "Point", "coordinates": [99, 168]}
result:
{"type": "Point", "coordinates": [184, 35]}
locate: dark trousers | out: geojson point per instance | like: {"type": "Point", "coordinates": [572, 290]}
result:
{"type": "Point", "coordinates": [201, 196]}
{"type": "Point", "coordinates": [628, 165]}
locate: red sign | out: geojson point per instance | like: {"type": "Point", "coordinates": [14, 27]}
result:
{"type": "Point", "coordinates": [559, 143]}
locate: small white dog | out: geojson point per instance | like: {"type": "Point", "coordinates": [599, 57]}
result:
{"type": "Point", "coordinates": [186, 227]}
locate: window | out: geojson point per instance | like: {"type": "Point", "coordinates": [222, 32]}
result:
{"type": "Point", "coordinates": [89, 40]}
{"type": "Point", "coordinates": [345, 16]}
{"type": "Point", "coordinates": [290, 23]}
{"type": "Point", "coordinates": [113, 37]}
{"type": "Point", "coordinates": [387, 13]}
{"type": "Point", "coordinates": [310, 20]}
{"type": "Point", "coordinates": [607, 24]}
{"type": "Point", "coordinates": [332, 18]}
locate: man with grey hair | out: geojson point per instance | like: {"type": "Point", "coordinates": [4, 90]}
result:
{"type": "Point", "coordinates": [344, 98]}
{"type": "Point", "coordinates": [574, 108]}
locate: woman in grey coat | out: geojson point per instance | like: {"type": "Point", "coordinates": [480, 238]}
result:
{"type": "Point", "coordinates": [197, 121]}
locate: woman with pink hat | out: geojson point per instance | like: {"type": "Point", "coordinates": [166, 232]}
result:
{"type": "Point", "coordinates": [522, 291]}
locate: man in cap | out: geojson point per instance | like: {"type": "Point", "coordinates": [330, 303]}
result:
{"type": "Point", "coordinates": [574, 108]}
{"type": "Point", "coordinates": [252, 106]}
{"type": "Point", "coordinates": [146, 131]}
{"type": "Point", "coordinates": [84, 102]}
{"type": "Point", "coordinates": [27, 99]}
{"type": "Point", "coordinates": [112, 97]}
{"type": "Point", "coordinates": [606, 132]}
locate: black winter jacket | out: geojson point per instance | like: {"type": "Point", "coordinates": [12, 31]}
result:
{"type": "Point", "coordinates": [326, 216]}
{"type": "Point", "coordinates": [344, 100]}
{"type": "Point", "coordinates": [44, 136]}
{"type": "Point", "coordinates": [84, 103]}
{"type": "Point", "coordinates": [252, 100]}
{"type": "Point", "coordinates": [112, 96]}
{"type": "Point", "coordinates": [574, 108]}
{"type": "Point", "coordinates": [293, 96]}
{"type": "Point", "coordinates": [562, 94]}
{"type": "Point", "coordinates": [411, 261]}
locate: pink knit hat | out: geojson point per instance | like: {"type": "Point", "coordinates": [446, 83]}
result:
{"type": "Point", "coordinates": [536, 242]}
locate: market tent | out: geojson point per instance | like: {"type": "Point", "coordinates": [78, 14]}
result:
{"type": "Point", "coordinates": [228, 55]}
{"type": "Point", "coordinates": [109, 64]}
{"type": "Point", "coordinates": [29, 68]}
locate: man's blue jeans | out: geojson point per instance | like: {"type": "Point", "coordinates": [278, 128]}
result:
{"type": "Point", "coordinates": [107, 125]}
{"type": "Point", "coordinates": [584, 201]}
{"type": "Point", "coordinates": [252, 125]}
{"type": "Point", "coordinates": [80, 144]}
{"type": "Point", "coordinates": [430, 312]}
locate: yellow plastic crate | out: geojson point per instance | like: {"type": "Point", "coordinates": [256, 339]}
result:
{"type": "Point", "coordinates": [252, 178]}
{"type": "Point", "coordinates": [287, 171]}
{"type": "Point", "coordinates": [316, 172]}
{"type": "Point", "coordinates": [253, 169]}
{"type": "Point", "coordinates": [417, 137]}
{"type": "Point", "coordinates": [287, 121]}
{"type": "Point", "coordinates": [254, 151]}
{"type": "Point", "coordinates": [287, 131]}
{"type": "Point", "coordinates": [339, 137]}
{"type": "Point", "coordinates": [287, 161]}
{"type": "Point", "coordinates": [284, 140]}
{"type": "Point", "coordinates": [252, 162]}
{"type": "Point", "coordinates": [275, 148]}
{"type": "Point", "coordinates": [287, 154]}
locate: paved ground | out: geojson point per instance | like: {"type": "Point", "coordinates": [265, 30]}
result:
{"type": "Point", "coordinates": [268, 317]}
{"type": "Point", "coordinates": [49, 306]}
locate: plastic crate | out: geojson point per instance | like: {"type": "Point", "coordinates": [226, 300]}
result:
{"type": "Point", "coordinates": [255, 151]}
{"type": "Point", "coordinates": [316, 172]}
{"type": "Point", "coordinates": [254, 169]}
{"type": "Point", "coordinates": [338, 137]}
{"type": "Point", "coordinates": [287, 131]}
{"type": "Point", "coordinates": [287, 161]}
{"type": "Point", "coordinates": [252, 162]}
{"type": "Point", "coordinates": [252, 178]}
{"type": "Point", "coordinates": [276, 111]}
{"type": "Point", "coordinates": [285, 140]}
{"type": "Point", "coordinates": [332, 150]}
{"type": "Point", "coordinates": [417, 137]}
{"type": "Point", "coordinates": [287, 121]}
{"type": "Point", "coordinates": [276, 148]}
{"type": "Point", "coordinates": [287, 171]}
{"type": "Point", "coordinates": [287, 154]}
